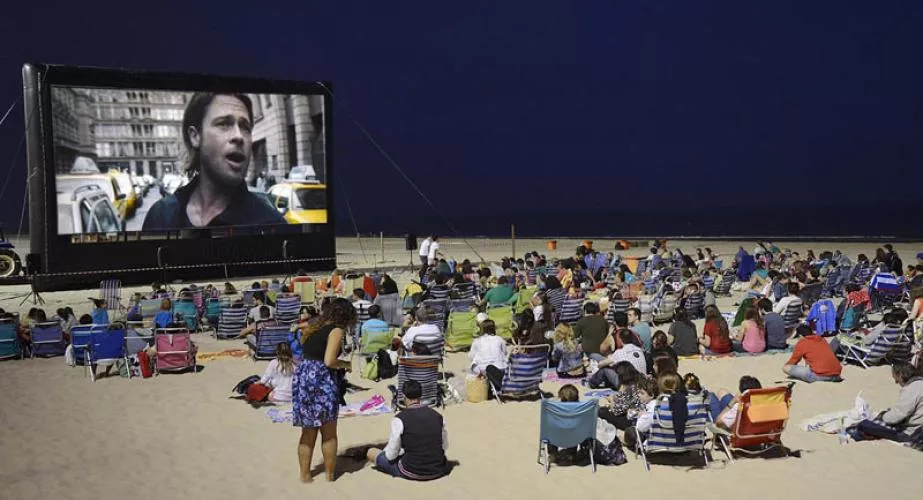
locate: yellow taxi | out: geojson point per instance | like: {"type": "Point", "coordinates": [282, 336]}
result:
{"type": "Point", "coordinates": [300, 202]}
{"type": "Point", "coordinates": [126, 200]}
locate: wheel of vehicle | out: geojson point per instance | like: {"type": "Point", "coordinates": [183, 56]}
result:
{"type": "Point", "coordinates": [9, 263]}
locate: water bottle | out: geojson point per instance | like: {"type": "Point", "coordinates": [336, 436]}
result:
{"type": "Point", "coordinates": [844, 438]}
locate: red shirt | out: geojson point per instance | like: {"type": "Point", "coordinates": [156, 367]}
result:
{"type": "Point", "coordinates": [818, 354]}
{"type": "Point", "coordinates": [716, 344]}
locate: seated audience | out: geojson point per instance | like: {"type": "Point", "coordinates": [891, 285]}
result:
{"type": "Point", "coordinates": [904, 417]}
{"type": "Point", "coordinates": [716, 337]}
{"type": "Point", "coordinates": [567, 354]}
{"type": "Point", "coordinates": [278, 374]}
{"type": "Point", "coordinates": [821, 364]}
{"type": "Point", "coordinates": [683, 331]}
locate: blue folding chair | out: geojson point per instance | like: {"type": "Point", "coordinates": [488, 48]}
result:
{"type": "Point", "coordinates": [567, 425]}
{"type": "Point", "coordinates": [186, 311]}
{"type": "Point", "coordinates": [47, 339]}
{"type": "Point", "coordinates": [9, 341]}
{"type": "Point", "coordinates": [106, 345]}
{"type": "Point", "coordinates": [81, 336]}
{"type": "Point", "coordinates": [266, 340]}
{"type": "Point", "coordinates": [287, 307]}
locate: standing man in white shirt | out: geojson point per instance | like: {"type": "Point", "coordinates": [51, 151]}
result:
{"type": "Point", "coordinates": [434, 252]}
{"type": "Point", "coordinates": [424, 251]}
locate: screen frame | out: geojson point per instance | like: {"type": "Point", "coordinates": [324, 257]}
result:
{"type": "Point", "coordinates": [313, 251]}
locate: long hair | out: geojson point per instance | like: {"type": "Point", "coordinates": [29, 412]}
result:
{"type": "Point", "coordinates": [713, 314]}
{"type": "Point", "coordinates": [339, 312]}
{"type": "Point", "coordinates": [565, 335]}
{"type": "Point", "coordinates": [752, 314]}
{"type": "Point", "coordinates": [284, 355]}
{"type": "Point", "coordinates": [194, 117]}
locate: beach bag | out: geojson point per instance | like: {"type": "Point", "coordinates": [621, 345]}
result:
{"type": "Point", "coordinates": [243, 385]}
{"type": "Point", "coordinates": [370, 372]}
{"type": "Point", "coordinates": [257, 393]}
{"type": "Point", "coordinates": [386, 368]}
{"type": "Point", "coordinates": [610, 454]}
{"type": "Point", "coordinates": [144, 364]}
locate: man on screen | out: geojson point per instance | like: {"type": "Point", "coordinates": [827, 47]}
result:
{"type": "Point", "coordinates": [217, 134]}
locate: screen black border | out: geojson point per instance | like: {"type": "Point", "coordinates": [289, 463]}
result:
{"type": "Point", "coordinates": [197, 257]}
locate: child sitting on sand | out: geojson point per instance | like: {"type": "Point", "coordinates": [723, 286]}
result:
{"type": "Point", "coordinates": [278, 374]}
{"type": "Point", "coordinates": [648, 390]}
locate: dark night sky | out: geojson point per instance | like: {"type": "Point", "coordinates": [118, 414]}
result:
{"type": "Point", "coordinates": [670, 108]}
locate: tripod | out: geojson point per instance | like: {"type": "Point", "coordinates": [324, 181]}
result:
{"type": "Point", "coordinates": [32, 294]}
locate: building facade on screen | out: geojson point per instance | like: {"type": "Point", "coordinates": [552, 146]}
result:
{"type": "Point", "coordinates": [140, 131]}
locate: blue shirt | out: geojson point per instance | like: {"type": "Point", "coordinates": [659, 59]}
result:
{"type": "Point", "coordinates": [374, 325]}
{"type": "Point", "coordinates": [100, 316]}
{"type": "Point", "coordinates": [644, 332]}
{"type": "Point", "coordinates": [163, 319]}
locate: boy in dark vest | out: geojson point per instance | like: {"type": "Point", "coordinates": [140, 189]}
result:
{"type": "Point", "coordinates": [419, 430]}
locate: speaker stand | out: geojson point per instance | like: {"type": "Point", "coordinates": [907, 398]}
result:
{"type": "Point", "coordinates": [33, 294]}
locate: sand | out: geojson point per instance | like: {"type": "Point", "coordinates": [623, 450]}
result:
{"type": "Point", "coordinates": [63, 436]}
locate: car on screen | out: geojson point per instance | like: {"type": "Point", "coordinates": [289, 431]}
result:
{"type": "Point", "coordinates": [302, 173]}
{"type": "Point", "coordinates": [299, 202]}
{"type": "Point", "coordinates": [126, 201]}
{"type": "Point", "coordinates": [170, 183]}
{"type": "Point", "coordinates": [86, 209]}
{"type": "Point", "coordinates": [107, 184]}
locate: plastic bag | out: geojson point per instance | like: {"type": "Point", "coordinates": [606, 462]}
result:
{"type": "Point", "coordinates": [605, 432]}
{"type": "Point", "coordinates": [69, 356]}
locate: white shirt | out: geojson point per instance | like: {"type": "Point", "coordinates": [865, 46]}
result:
{"type": "Point", "coordinates": [487, 350]}
{"type": "Point", "coordinates": [254, 313]}
{"type": "Point", "coordinates": [646, 419]}
{"type": "Point", "coordinates": [393, 448]}
{"type": "Point", "coordinates": [783, 303]}
{"type": "Point", "coordinates": [433, 248]}
{"type": "Point", "coordinates": [633, 354]}
{"type": "Point", "coordinates": [425, 332]}
{"type": "Point", "coordinates": [538, 312]}
{"type": "Point", "coordinates": [424, 247]}
{"type": "Point", "coordinates": [281, 384]}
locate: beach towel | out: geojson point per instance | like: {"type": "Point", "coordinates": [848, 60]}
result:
{"type": "Point", "coordinates": [204, 357]}
{"type": "Point", "coordinates": [599, 393]}
{"type": "Point", "coordinates": [375, 405]}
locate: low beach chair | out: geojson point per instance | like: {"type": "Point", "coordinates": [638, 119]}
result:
{"type": "Point", "coordinates": [185, 310]}
{"type": "Point", "coordinates": [461, 329]}
{"type": "Point", "coordinates": [175, 350]}
{"type": "Point", "coordinates": [107, 345]}
{"type": "Point", "coordinates": [571, 310]}
{"type": "Point", "coordinates": [465, 290]}
{"type": "Point", "coordinates": [9, 341]}
{"type": "Point", "coordinates": [462, 305]}
{"type": "Point", "coordinates": [423, 369]}
{"type": "Point", "coordinates": [212, 312]}
{"type": "Point", "coordinates": [371, 341]}
{"type": "Point", "coordinates": [761, 418]}
{"type": "Point", "coordinates": [149, 309]}
{"type": "Point", "coordinates": [566, 425]}
{"type": "Point", "coordinates": [81, 337]}
{"type": "Point", "coordinates": [792, 315]}
{"type": "Point", "coordinates": [503, 320]}
{"type": "Point", "coordinates": [231, 322]}
{"type": "Point", "coordinates": [523, 372]}
{"type": "Point", "coordinates": [695, 305]}
{"type": "Point", "coordinates": [811, 294]}
{"type": "Point", "coordinates": [664, 309]}
{"type": "Point", "coordinates": [287, 306]}
{"type": "Point", "coordinates": [662, 438]}
{"type": "Point", "coordinates": [111, 292]}
{"type": "Point", "coordinates": [306, 291]}
{"type": "Point", "coordinates": [893, 344]}
{"type": "Point", "coordinates": [137, 337]}
{"type": "Point", "coordinates": [266, 340]}
{"type": "Point", "coordinates": [47, 340]}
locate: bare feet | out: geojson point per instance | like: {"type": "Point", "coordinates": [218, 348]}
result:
{"type": "Point", "coordinates": [307, 479]}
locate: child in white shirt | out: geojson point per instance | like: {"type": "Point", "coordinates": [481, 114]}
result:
{"type": "Point", "coordinates": [278, 374]}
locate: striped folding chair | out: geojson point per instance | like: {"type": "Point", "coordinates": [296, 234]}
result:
{"type": "Point", "coordinates": [523, 372]}
{"type": "Point", "coordinates": [465, 290]}
{"type": "Point", "coordinates": [423, 369]}
{"type": "Point", "coordinates": [664, 309]}
{"type": "Point", "coordinates": [662, 437]}
{"type": "Point", "coordinates": [893, 344]}
{"type": "Point", "coordinates": [287, 306]}
{"type": "Point", "coordinates": [266, 340]}
{"type": "Point", "coordinates": [461, 305]}
{"type": "Point", "coordinates": [695, 305]}
{"type": "Point", "coordinates": [231, 322]}
{"type": "Point", "coordinates": [111, 292]}
{"type": "Point", "coordinates": [791, 318]}
{"type": "Point", "coordinates": [556, 299]}
{"type": "Point", "coordinates": [571, 310]}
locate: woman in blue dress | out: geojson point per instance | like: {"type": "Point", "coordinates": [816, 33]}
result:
{"type": "Point", "coordinates": [315, 391]}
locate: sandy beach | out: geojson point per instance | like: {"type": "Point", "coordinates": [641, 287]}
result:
{"type": "Point", "coordinates": [172, 436]}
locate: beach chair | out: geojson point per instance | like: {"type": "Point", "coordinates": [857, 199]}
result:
{"type": "Point", "coordinates": [524, 299]}
{"type": "Point", "coordinates": [695, 305]}
{"type": "Point", "coordinates": [556, 299]}
{"type": "Point", "coordinates": [138, 337]}
{"type": "Point", "coordinates": [662, 437]}
{"type": "Point", "coordinates": [833, 285]}
{"type": "Point", "coordinates": [791, 317]}
{"type": "Point", "coordinates": [47, 340]}
{"type": "Point", "coordinates": [439, 307]}
{"type": "Point", "coordinates": [9, 341]}
{"type": "Point", "coordinates": [287, 306]}
{"type": "Point", "coordinates": [436, 346]}
{"type": "Point", "coordinates": [523, 372]}
{"type": "Point", "coordinates": [306, 291]}
{"type": "Point", "coordinates": [371, 341]}
{"type": "Point", "coordinates": [438, 292]}
{"type": "Point", "coordinates": [106, 345]}
{"type": "Point", "coordinates": [212, 312]}
{"type": "Point", "coordinates": [465, 290]}
{"type": "Point", "coordinates": [893, 344]}
{"type": "Point", "coordinates": [708, 282]}
{"type": "Point", "coordinates": [646, 305]}
{"type": "Point", "coordinates": [149, 309]}
{"type": "Point", "coordinates": [111, 292]}
{"type": "Point", "coordinates": [571, 310]}
{"type": "Point", "coordinates": [423, 369]}
{"type": "Point", "coordinates": [175, 350]}
{"type": "Point", "coordinates": [723, 287]}
{"type": "Point", "coordinates": [461, 305]}
{"type": "Point", "coordinates": [811, 294]}
{"type": "Point", "coordinates": [81, 337]}
{"type": "Point", "coordinates": [761, 418]}
{"type": "Point", "coordinates": [231, 322]}
{"type": "Point", "coordinates": [664, 310]}
{"type": "Point", "coordinates": [566, 425]}
{"type": "Point", "coordinates": [461, 330]}
{"type": "Point", "coordinates": [266, 340]}
{"type": "Point", "coordinates": [184, 309]}
{"type": "Point", "coordinates": [503, 319]}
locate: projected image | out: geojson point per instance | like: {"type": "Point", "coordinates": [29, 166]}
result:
{"type": "Point", "coordinates": [149, 160]}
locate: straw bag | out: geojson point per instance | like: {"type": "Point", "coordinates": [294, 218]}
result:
{"type": "Point", "coordinates": [476, 389]}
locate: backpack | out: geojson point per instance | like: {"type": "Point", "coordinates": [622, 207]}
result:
{"type": "Point", "coordinates": [243, 385]}
{"type": "Point", "coordinates": [386, 368]}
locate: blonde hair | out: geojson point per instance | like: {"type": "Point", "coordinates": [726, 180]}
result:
{"type": "Point", "coordinates": [284, 355]}
{"type": "Point", "coordinates": [565, 335]}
